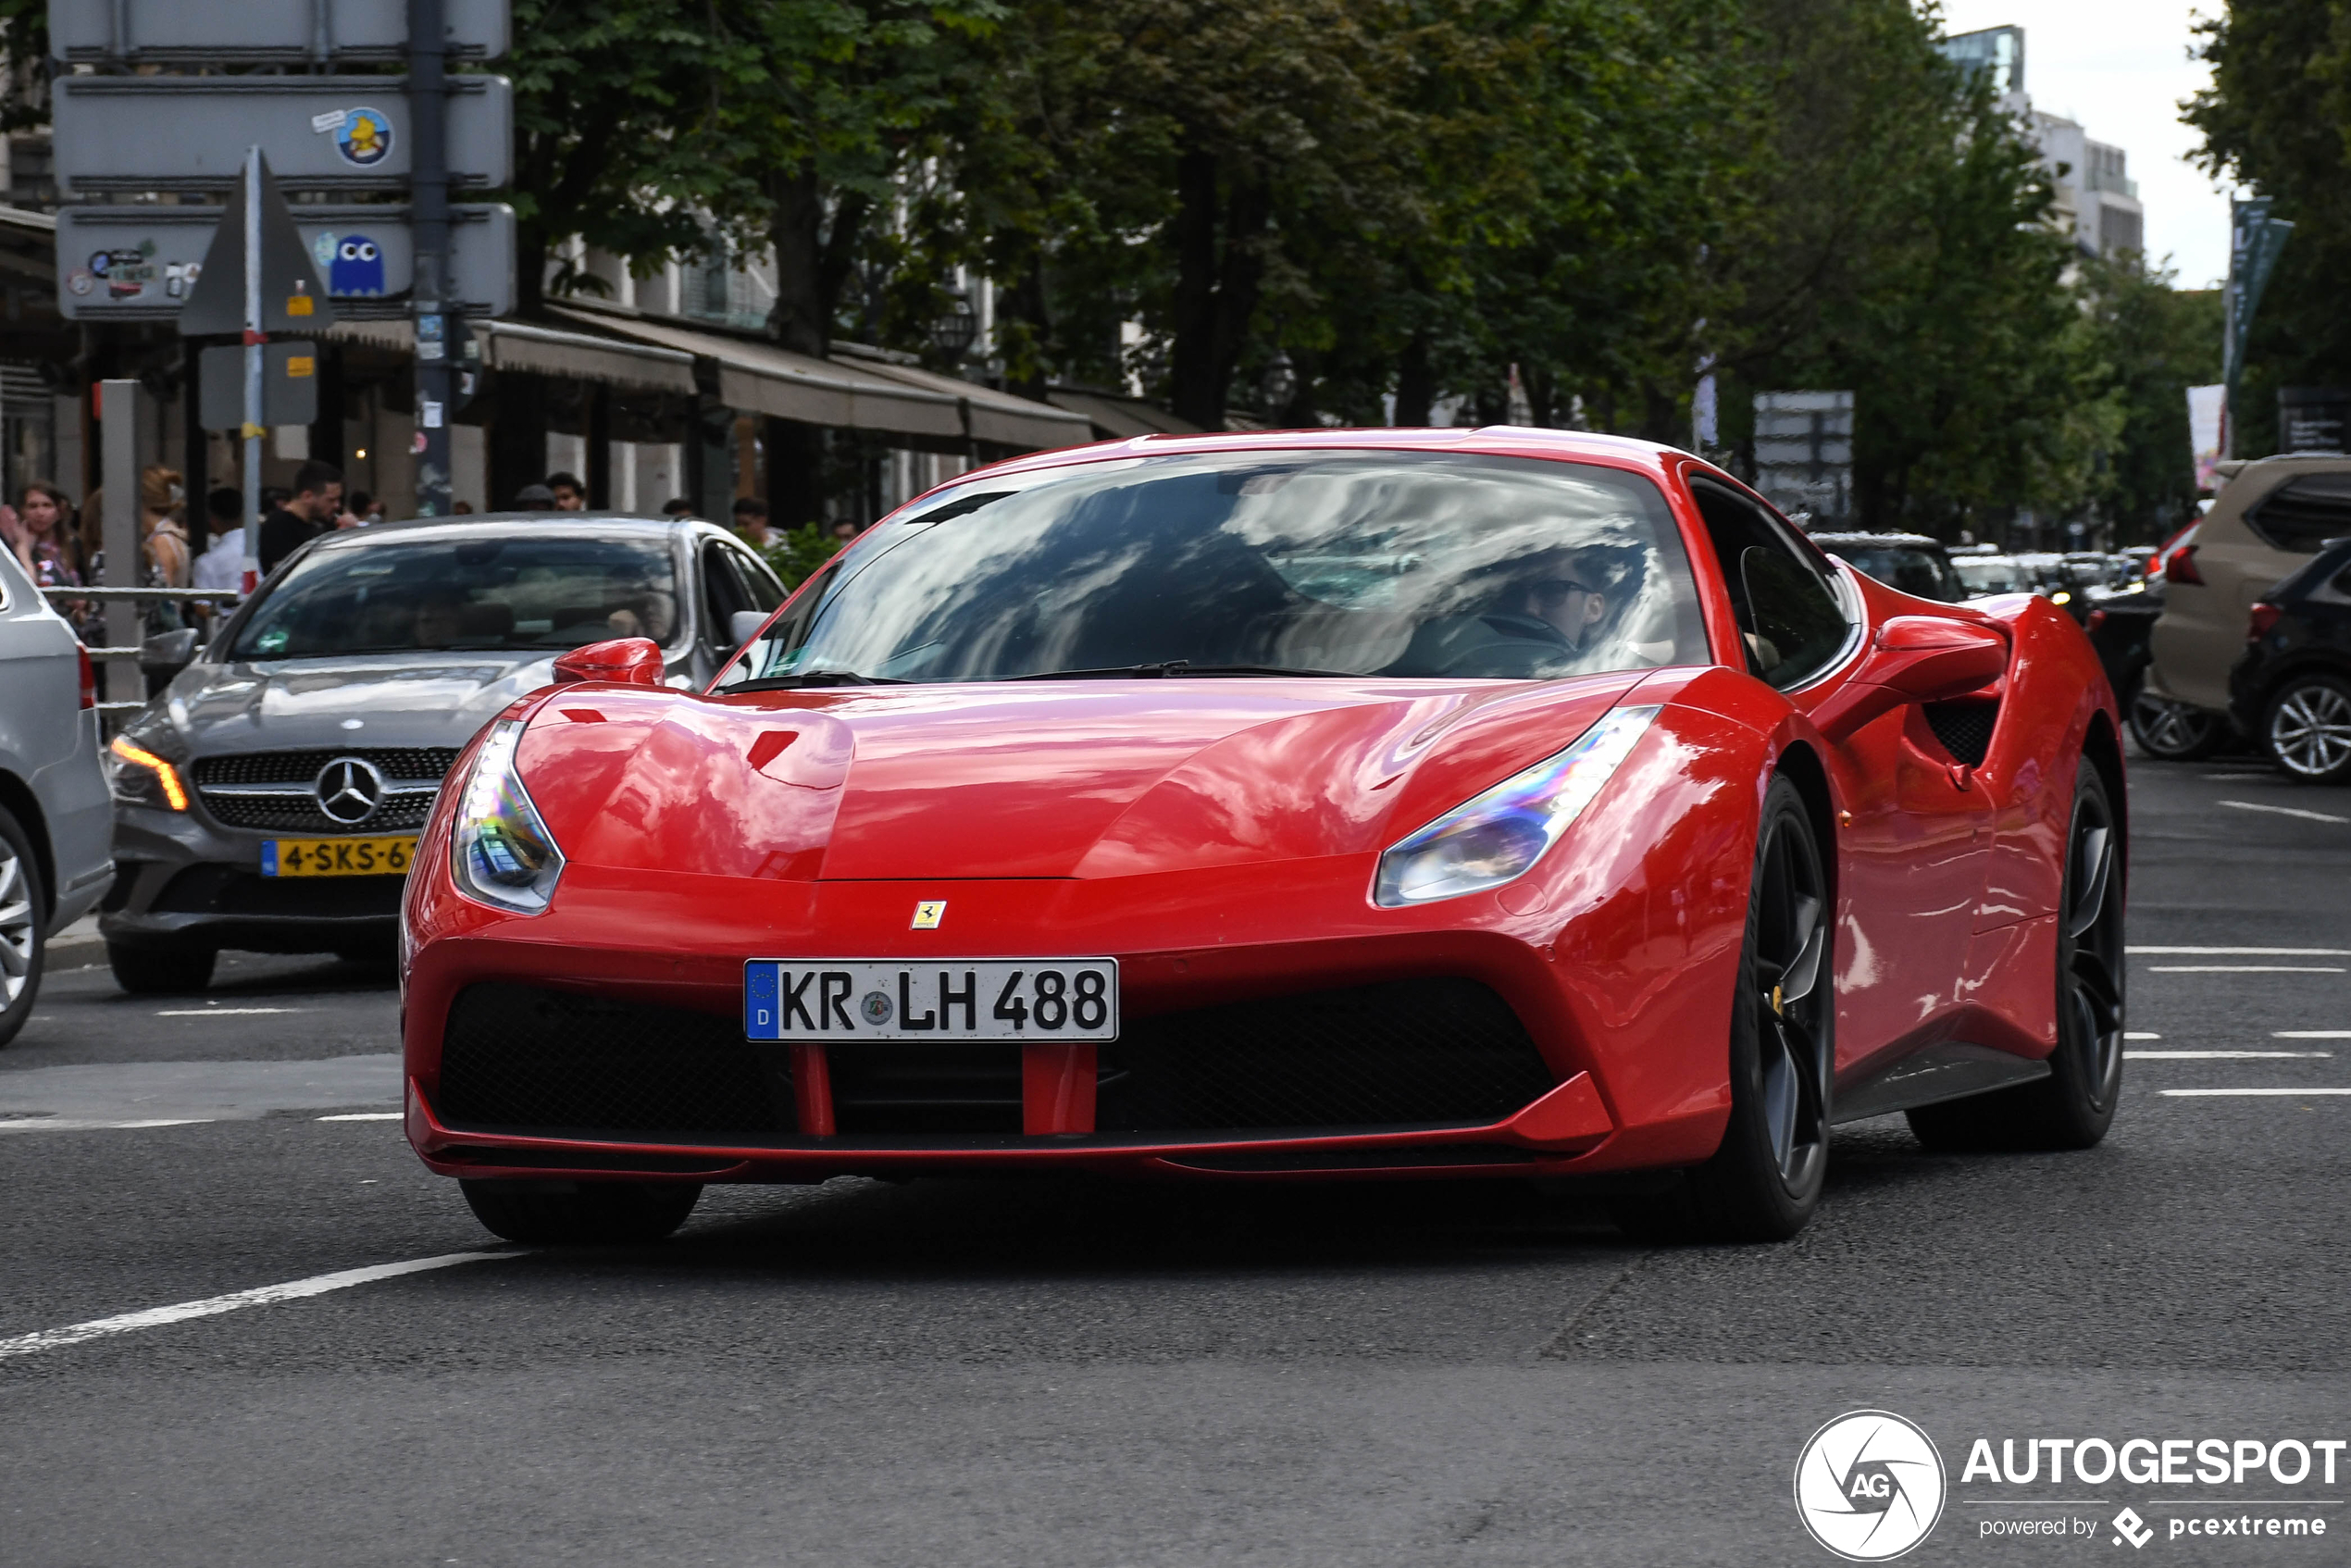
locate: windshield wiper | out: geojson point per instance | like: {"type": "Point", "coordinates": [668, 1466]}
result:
{"type": "Point", "coordinates": [1166, 668]}
{"type": "Point", "coordinates": [818, 677]}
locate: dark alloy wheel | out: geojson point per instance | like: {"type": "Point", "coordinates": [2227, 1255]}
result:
{"type": "Point", "coordinates": [160, 971]}
{"type": "Point", "coordinates": [2308, 729]}
{"type": "Point", "coordinates": [23, 929]}
{"type": "Point", "coordinates": [588, 1212]}
{"type": "Point", "coordinates": [2174, 731]}
{"type": "Point", "coordinates": [2073, 1106]}
{"type": "Point", "coordinates": [1765, 1180]}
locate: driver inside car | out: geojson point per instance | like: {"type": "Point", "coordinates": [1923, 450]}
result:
{"type": "Point", "coordinates": [1549, 609]}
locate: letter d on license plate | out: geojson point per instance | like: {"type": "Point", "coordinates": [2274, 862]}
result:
{"type": "Point", "coordinates": [843, 1000]}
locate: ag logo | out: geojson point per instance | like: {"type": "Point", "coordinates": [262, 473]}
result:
{"type": "Point", "coordinates": [1870, 1485]}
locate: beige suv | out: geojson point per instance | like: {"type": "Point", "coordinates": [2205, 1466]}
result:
{"type": "Point", "coordinates": [2270, 517]}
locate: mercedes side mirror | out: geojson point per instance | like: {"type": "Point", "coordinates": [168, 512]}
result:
{"type": "Point", "coordinates": [743, 625]}
{"type": "Point", "coordinates": [1914, 659]}
{"type": "Point", "coordinates": [167, 654]}
{"type": "Point", "coordinates": [632, 661]}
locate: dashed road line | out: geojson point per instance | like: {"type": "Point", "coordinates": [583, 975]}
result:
{"type": "Point", "coordinates": [2244, 1093]}
{"type": "Point", "coordinates": [395, 1116]}
{"type": "Point", "coordinates": [2247, 952]}
{"type": "Point", "coordinates": [2244, 969]}
{"type": "Point", "coordinates": [2310, 1034]}
{"type": "Point", "coordinates": [211, 1306]}
{"type": "Point", "coordinates": [79, 1124]}
{"type": "Point", "coordinates": [224, 1012]}
{"type": "Point", "coordinates": [2221, 1056]}
{"type": "Point", "coordinates": [2287, 811]}
{"type": "Point", "coordinates": [2139, 1034]}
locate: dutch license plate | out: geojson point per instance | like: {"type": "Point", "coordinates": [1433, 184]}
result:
{"type": "Point", "coordinates": [846, 1000]}
{"type": "Point", "coordinates": [336, 857]}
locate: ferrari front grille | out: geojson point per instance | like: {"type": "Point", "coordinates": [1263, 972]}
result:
{"type": "Point", "coordinates": [525, 1057]}
{"type": "Point", "coordinates": [1405, 1051]}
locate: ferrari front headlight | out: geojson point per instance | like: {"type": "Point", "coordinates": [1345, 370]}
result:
{"type": "Point", "coordinates": [1498, 835]}
{"type": "Point", "coordinates": [502, 853]}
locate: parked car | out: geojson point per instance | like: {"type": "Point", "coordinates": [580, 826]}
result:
{"type": "Point", "coordinates": [2291, 689]}
{"type": "Point", "coordinates": [2268, 519]}
{"type": "Point", "coordinates": [270, 797]}
{"type": "Point", "coordinates": [53, 821]}
{"type": "Point", "coordinates": [1909, 562]}
{"type": "Point", "coordinates": [1983, 576]}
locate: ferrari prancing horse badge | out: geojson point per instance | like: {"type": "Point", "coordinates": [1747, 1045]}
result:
{"type": "Point", "coordinates": [928, 914]}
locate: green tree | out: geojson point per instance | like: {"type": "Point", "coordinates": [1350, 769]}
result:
{"type": "Point", "coordinates": [2155, 341]}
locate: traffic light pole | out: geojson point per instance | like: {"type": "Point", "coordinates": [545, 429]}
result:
{"type": "Point", "coordinates": [433, 313]}
{"type": "Point", "coordinates": [254, 341]}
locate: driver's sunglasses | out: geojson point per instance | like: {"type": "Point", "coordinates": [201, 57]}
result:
{"type": "Point", "coordinates": [1560, 587]}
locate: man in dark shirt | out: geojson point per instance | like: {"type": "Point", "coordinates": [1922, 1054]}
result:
{"type": "Point", "coordinates": [317, 502]}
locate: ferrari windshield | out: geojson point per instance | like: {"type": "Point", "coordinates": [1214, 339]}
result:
{"type": "Point", "coordinates": [496, 592]}
{"type": "Point", "coordinates": [1315, 563]}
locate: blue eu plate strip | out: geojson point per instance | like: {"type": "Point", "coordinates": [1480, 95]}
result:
{"type": "Point", "coordinates": [268, 857]}
{"type": "Point", "coordinates": [760, 1020]}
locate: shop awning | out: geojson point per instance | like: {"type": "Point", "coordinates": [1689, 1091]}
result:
{"type": "Point", "coordinates": [1116, 417]}
{"type": "Point", "coordinates": [859, 394]}
{"type": "Point", "coordinates": [522, 346]}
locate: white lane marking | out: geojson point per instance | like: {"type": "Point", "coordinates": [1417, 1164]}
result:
{"type": "Point", "coordinates": [2205, 1093]}
{"type": "Point", "coordinates": [2287, 811]}
{"type": "Point", "coordinates": [395, 1116]}
{"type": "Point", "coordinates": [2139, 1034]}
{"type": "Point", "coordinates": [2243, 969]}
{"type": "Point", "coordinates": [2224, 1055]}
{"type": "Point", "coordinates": [79, 1124]}
{"type": "Point", "coordinates": [2252, 951]}
{"type": "Point", "coordinates": [210, 1306]}
{"type": "Point", "coordinates": [223, 1012]}
{"type": "Point", "coordinates": [2310, 1034]}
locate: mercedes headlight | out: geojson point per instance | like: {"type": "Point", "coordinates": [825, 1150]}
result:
{"type": "Point", "coordinates": [502, 853]}
{"type": "Point", "coordinates": [1498, 835]}
{"type": "Point", "coordinates": [137, 777]}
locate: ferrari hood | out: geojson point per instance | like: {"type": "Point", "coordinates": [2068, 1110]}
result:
{"type": "Point", "coordinates": [1032, 780]}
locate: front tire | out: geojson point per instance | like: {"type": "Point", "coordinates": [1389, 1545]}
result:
{"type": "Point", "coordinates": [2074, 1105]}
{"type": "Point", "coordinates": [587, 1213]}
{"type": "Point", "coordinates": [23, 927]}
{"type": "Point", "coordinates": [1764, 1181]}
{"type": "Point", "coordinates": [2306, 729]}
{"type": "Point", "coordinates": [160, 971]}
{"type": "Point", "coordinates": [2172, 731]}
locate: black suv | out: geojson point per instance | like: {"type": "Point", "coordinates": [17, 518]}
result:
{"type": "Point", "coordinates": [2292, 689]}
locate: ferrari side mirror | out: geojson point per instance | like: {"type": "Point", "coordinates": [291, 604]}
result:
{"type": "Point", "coordinates": [633, 661]}
{"type": "Point", "coordinates": [1914, 659]}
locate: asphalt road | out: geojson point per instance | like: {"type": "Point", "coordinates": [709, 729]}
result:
{"type": "Point", "coordinates": [1046, 1372]}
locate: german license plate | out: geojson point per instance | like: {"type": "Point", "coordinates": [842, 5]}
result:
{"type": "Point", "coordinates": [336, 857]}
{"type": "Point", "coordinates": [847, 1000]}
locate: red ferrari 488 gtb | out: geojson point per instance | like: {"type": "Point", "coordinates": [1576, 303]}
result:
{"type": "Point", "coordinates": [1381, 804]}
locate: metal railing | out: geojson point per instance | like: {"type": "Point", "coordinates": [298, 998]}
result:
{"type": "Point", "coordinates": [226, 598]}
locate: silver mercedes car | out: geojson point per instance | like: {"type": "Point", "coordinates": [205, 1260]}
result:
{"type": "Point", "coordinates": [53, 808]}
{"type": "Point", "coordinates": [268, 799]}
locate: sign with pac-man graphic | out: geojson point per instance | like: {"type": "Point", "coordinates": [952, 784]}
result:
{"type": "Point", "coordinates": [134, 264]}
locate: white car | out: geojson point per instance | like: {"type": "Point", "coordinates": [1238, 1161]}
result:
{"type": "Point", "coordinates": [56, 823]}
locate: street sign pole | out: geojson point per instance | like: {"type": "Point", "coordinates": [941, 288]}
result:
{"type": "Point", "coordinates": [256, 353]}
{"type": "Point", "coordinates": [435, 313]}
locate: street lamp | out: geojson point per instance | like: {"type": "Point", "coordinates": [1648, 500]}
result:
{"type": "Point", "coordinates": [1279, 383]}
{"type": "Point", "coordinates": [954, 330]}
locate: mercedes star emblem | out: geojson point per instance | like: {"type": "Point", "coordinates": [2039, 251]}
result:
{"type": "Point", "coordinates": [349, 790]}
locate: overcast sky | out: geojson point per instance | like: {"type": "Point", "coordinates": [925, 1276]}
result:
{"type": "Point", "coordinates": [2122, 68]}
